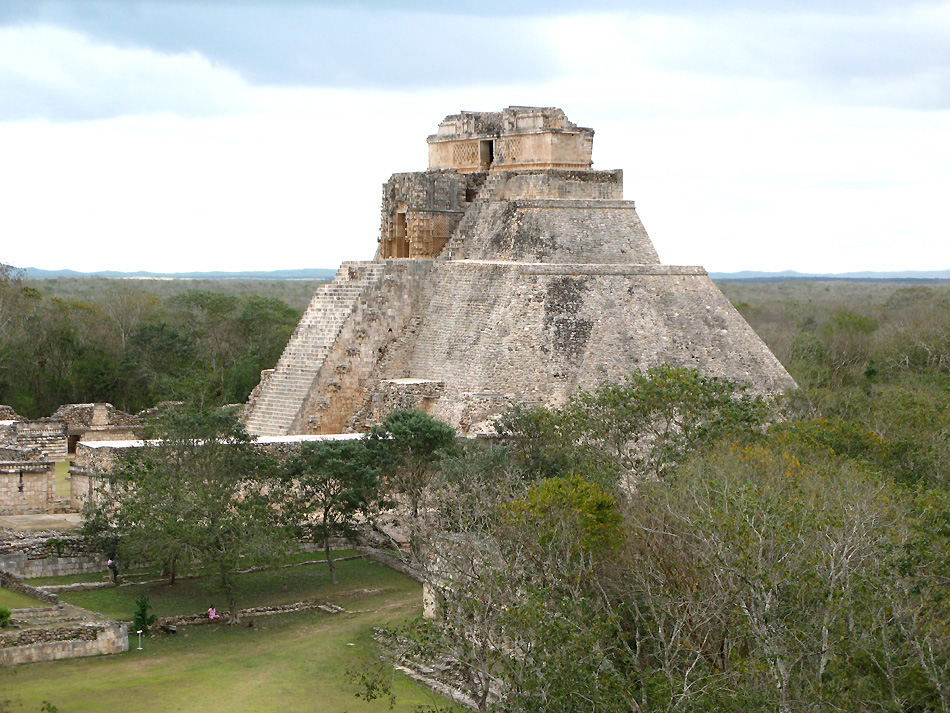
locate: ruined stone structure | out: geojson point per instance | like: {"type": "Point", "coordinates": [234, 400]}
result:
{"type": "Point", "coordinates": [56, 631]}
{"type": "Point", "coordinates": [46, 436]}
{"type": "Point", "coordinates": [28, 450]}
{"type": "Point", "coordinates": [509, 272]}
{"type": "Point", "coordinates": [27, 485]}
{"type": "Point", "coordinates": [96, 422]}
{"type": "Point", "coordinates": [47, 554]}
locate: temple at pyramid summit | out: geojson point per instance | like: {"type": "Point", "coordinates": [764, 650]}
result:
{"type": "Point", "coordinates": [508, 273]}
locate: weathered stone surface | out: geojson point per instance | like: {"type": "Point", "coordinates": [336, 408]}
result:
{"type": "Point", "coordinates": [47, 554]}
{"type": "Point", "coordinates": [540, 281]}
{"type": "Point", "coordinates": [45, 435]}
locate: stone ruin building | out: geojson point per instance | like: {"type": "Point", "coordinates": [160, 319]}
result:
{"type": "Point", "coordinates": [96, 422]}
{"type": "Point", "coordinates": [28, 451]}
{"type": "Point", "coordinates": [510, 272]}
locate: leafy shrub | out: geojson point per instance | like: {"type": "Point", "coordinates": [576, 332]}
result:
{"type": "Point", "coordinates": [141, 619]}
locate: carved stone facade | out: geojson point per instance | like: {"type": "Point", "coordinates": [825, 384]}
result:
{"type": "Point", "coordinates": [517, 280]}
{"type": "Point", "coordinates": [518, 137]}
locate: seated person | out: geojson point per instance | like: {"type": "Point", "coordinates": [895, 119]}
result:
{"type": "Point", "coordinates": [213, 613]}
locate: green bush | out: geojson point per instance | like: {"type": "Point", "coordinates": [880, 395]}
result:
{"type": "Point", "coordinates": [5, 616]}
{"type": "Point", "coordinates": [141, 619]}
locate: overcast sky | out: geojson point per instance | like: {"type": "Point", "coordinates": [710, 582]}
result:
{"type": "Point", "coordinates": [186, 135]}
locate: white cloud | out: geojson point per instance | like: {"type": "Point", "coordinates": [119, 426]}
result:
{"type": "Point", "coordinates": [747, 141]}
{"type": "Point", "coordinates": [887, 56]}
{"type": "Point", "coordinates": [51, 72]}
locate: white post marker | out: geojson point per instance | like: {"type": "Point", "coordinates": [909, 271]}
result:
{"type": "Point", "coordinates": [139, 632]}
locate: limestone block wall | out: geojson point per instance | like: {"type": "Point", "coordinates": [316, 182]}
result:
{"type": "Point", "coordinates": [79, 417]}
{"type": "Point", "coordinates": [394, 394]}
{"type": "Point", "coordinates": [500, 333]}
{"type": "Point", "coordinates": [377, 320]}
{"type": "Point", "coordinates": [93, 460]}
{"type": "Point", "coordinates": [561, 149]}
{"type": "Point", "coordinates": [82, 488]}
{"type": "Point", "coordinates": [557, 150]}
{"type": "Point", "coordinates": [110, 433]}
{"type": "Point", "coordinates": [515, 137]}
{"type": "Point", "coordinates": [576, 185]}
{"type": "Point", "coordinates": [555, 231]}
{"type": "Point", "coordinates": [18, 454]}
{"type": "Point", "coordinates": [51, 566]}
{"type": "Point", "coordinates": [420, 211]}
{"type": "Point", "coordinates": [99, 456]}
{"type": "Point", "coordinates": [26, 487]}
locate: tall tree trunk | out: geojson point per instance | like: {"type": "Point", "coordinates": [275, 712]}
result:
{"type": "Point", "coordinates": [326, 549]}
{"type": "Point", "coordinates": [229, 586]}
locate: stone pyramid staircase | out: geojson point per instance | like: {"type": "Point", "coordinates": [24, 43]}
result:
{"type": "Point", "coordinates": [272, 411]}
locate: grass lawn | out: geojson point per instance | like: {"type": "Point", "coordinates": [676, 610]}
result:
{"type": "Point", "coordinates": [292, 662]}
{"type": "Point", "coordinates": [15, 600]}
{"type": "Point", "coordinates": [270, 587]}
{"type": "Point", "coordinates": [62, 478]}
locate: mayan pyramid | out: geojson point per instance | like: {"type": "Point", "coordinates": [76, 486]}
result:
{"type": "Point", "coordinates": [509, 272]}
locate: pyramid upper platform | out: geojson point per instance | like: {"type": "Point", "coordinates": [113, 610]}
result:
{"type": "Point", "coordinates": [516, 137]}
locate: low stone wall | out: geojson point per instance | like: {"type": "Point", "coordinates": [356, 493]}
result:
{"type": "Point", "coordinates": [10, 581]}
{"type": "Point", "coordinates": [53, 566]}
{"type": "Point", "coordinates": [93, 639]}
{"type": "Point", "coordinates": [202, 619]}
{"type": "Point", "coordinates": [47, 554]}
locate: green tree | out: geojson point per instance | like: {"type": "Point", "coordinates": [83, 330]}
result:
{"type": "Point", "coordinates": [208, 318]}
{"type": "Point", "coordinates": [652, 421]}
{"type": "Point", "coordinates": [332, 483]}
{"type": "Point", "coordinates": [263, 327]}
{"type": "Point", "coordinates": [541, 439]}
{"type": "Point", "coordinates": [142, 619]}
{"type": "Point", "coordinates": [198, 492]}
{"type": "Point", "coordinates": [409, 445]}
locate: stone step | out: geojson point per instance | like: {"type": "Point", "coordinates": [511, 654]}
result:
{"type": "Point", "coordinates": [303, 358]}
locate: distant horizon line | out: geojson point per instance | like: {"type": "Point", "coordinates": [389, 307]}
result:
{"type": "Point", "coordinates": [326, 273]}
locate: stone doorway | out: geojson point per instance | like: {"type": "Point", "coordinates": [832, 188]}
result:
{"type": "Point", "coordinates": [486, 153]}
{"type": "Point", "coordinates": [400, 241]}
